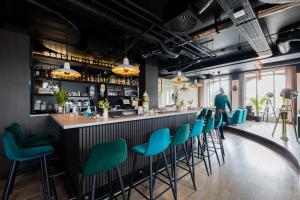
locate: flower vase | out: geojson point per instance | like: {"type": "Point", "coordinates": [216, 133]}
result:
{"type": "Point", "coordinates": [105, 114]}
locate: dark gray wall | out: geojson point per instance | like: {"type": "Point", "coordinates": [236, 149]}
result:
{"type": "Point", "coordinates": [14, 83]}
{"type": "Point", "coordinates": [15, 90]}
{"type": "Point", "coordinates": [149, 81]}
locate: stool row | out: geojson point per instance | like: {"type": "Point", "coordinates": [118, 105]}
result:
{"type": "Point", "coordinates": [197, 143]}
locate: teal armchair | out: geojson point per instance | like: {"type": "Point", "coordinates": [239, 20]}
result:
{"type": "Point", "coordinates": [236, 118]}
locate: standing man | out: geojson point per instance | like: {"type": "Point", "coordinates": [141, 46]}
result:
{"type": "Point", "coordinates": [221, 101]}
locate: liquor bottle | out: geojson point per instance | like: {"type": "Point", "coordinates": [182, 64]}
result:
{"type": "Point", "coordinates": [37, 72]}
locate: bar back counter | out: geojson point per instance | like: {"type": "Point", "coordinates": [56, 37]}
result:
{"type": "Point", "coordinates": [79, 134]}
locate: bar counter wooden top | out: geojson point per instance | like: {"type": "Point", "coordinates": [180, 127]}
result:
{"type": "Point", "coordinates": [69, 121]}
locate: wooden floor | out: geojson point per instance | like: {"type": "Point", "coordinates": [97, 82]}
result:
{"type": "Point", "coordinates": [251, 171]}
{"type": "Point", "coordinates": [265, 130]}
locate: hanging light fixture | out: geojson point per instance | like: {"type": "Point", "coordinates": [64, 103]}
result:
{"type": "Point", "coordinates": [195, 84]}
{"type": "Point", "coordinates": [126, 69]}
{"type": "Point", "coordinates": [66, 71]}
{"type": "Point", "coordinates": [184, 89]}
{"type": "Point", "coordinates": [179, 78]}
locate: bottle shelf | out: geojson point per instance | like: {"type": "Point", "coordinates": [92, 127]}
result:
{"type": "Point", "coordinates": [80, 81]}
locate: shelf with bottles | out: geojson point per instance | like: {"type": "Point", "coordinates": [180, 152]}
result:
{"type": "Point", "coordinates": [58, 59]}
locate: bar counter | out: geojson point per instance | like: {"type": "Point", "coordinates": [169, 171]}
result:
{"type": "Point", "coordinates": [79, 134]}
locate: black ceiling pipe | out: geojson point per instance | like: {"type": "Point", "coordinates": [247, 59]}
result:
{"type": "Point", "coordinates": [33, 2]}
{"type": "Point", "coordinates": [160, 26]}
{"type": "Point", "coordinates": [111, 19]}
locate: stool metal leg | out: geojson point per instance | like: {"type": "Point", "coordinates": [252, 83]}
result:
{"type": "Point", "coordinates": [8, 183]}
{"type": "Point", "coordinates": [80, 188]}
{"type": "Point", "coordinates": [132, 176]}
{"type": "Point", "coordinates": [213, 142]}
{"type": "Point", "coordinates": [43, 178]}
{"type": "Point", "coordinates": [202, 155]}
{"type": "Point", "coordinates": [175, 170]}
{"type": "Point", "coordinates": [14, 178]}
{"type": "Point", "coordinates": [108, 175]}
{"type": "Point", "coordinates": [121, 182]}
{"type": "Point", "coordinates": [93, 187]}
{"type": "Point", "coordinates": [151, 177]}
{"type": "Point", "coordinates": [191, 171]}
{"type": "Point", "coordinates": [156, 170]}
{"type": "Point", "coordinates": [207, 151]}
{"type": "Point", "coordinates": [46, 178]}
{"type": "Point", "coordinates": [169, 175]}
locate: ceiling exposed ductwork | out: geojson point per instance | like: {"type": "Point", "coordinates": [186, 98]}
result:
{"type": "Point", "coordinates": [167, 52]}
{"type": "Point", "coordinates": [279, 1]}
{"type": "Point", "coordinates": [244, 18]}
{"type": "Point", "coordinates": [287, 38]}
{"type": "Point", "coordinates": [182, 16]}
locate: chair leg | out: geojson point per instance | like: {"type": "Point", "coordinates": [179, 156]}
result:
{"type": "Point", "coordinates": [80, 188]}
{"type": "Point", "coordinates": [169, 175]}
{"type": "Point", "coordinates": [202, 154]}
{"type": "Point", "coordinates": [93, 187]}
{"type": "Point", "coordinates": [192, 171]}
{"type": "Point", "coordinates": [213, 142]}
{"type": "Point", "coordinates": [132, 177]}
{"type": "Point", "coordinates": [207, 151]}
{"type": "Point", "coordinates": [43, 179]}
{"type": "Point", "coordinates": [156, 170]}
{"type": "Point", "coordinates": [121, 182]}
{"type": "Point", "coordinates": [150, 177]}
{"type": "Point", "coordinates": [8, 183]}
{"type": "Point", "coordinates": [13, 179]}
{"type": "Point", "coordinates": [109, 180]}
{"type": "Point", "coordinates": [175, 170]}
{"type": "Point", "coordinates": [48, 191]}
{"type": "Point", "coordinates": [221, 145]}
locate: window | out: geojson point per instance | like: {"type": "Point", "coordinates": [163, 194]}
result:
{"type": "Point", "coordinates": [212, 88]}
{"type": "Point", "coordinates": [271, 81]}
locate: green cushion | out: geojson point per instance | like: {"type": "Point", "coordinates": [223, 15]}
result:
{"type": "Point", "coordinates": [181, 135]}
{"type": "Point", "coordinates": [25, 140]}
{"type": "Point", "coordinates": [17, 153]}
{"type": "Point", "coordinates": [140, 149]}
{"type": "Point", "coordinates": [104, 157]}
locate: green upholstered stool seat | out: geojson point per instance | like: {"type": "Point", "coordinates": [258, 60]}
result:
{"type": "Point", "coordinates": [181, 135]}
{"type": "Point", "coordinates": [26, 140]}
{"type": "Point", "coordinates": [140, 149]}
{"type": "Point", "coordinates": [158, 142]}
{"type": "Point", "coordinates": [104, 157]}
{"type": "Point", "coordinates": [17, 154]}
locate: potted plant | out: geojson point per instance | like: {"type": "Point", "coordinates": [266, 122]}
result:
{"type": "Point", "coordinates": [181, 105]}
{"type": "Point", "coordinates": [190, 102]}
{"type": "Point", "coordinates": [61, 98]}
{"type": "Point", "coordinates": [104, 105]}
{"type": "Point", "coordinates": [257, 103]}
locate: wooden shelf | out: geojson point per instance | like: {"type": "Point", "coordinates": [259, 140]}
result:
{"type": "Point", "coordinates": [80, 81]}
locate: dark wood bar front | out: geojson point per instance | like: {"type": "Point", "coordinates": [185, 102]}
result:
{"type": "Point", "coordinates": [79, 134]}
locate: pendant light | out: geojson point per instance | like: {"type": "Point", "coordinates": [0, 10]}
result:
{"type": "Point", "coordinates": [195, 84]}
{"type": "Point", "coordinates": [126, 69]}
{"type": "Point", "coordinates": [66, 71]}
{"type": "Point", "coordinates": [179, 78]}
{"type": "Point", "coordinates": [184, 89]}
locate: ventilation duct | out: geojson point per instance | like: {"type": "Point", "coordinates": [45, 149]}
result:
{"type": "Point", "coordinates": [181, 16]}
{"type": "Point", "coordinates": [279, 1]}
{"type": "Point", "coordinates": [244, 18]}
{"type": "Point", "coordinates": [167, 52]}
{"type": "Point", "coordinates": [286, 39]}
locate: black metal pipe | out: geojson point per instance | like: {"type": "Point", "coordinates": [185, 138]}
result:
{"type": "Point", "coordinates": [92, 10]}
{"type": "Point", "coordinates": [141, 25]}
{"type": "Point", "coordinates": [158, 25]}
{"type": "Point", "coordinates": [55, 13]}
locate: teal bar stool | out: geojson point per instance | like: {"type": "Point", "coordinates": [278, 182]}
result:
{"type": "Point", "coordinates": [103, 158]}
{"type": "Point", "coordinates": [207, 130]}
{"type": "Point", "coordinates": [158, 142]}
{"type": "Point", "coordinates": [18, 154]}
{"type": "Point", "coordinates": [245, 113]}
{"type": "Point", "coordinates": [218, 123]}
{"type": "Point", "coordinates": [179, 139]}
{"type": "Point", "coordinates": [196, 134]}
{"type": "Point", "coordinates": [26, 140]}
{"type": "Point", "coordinates": [236, 118]}
{"type": "Point", "coordinates": [202, 114]}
